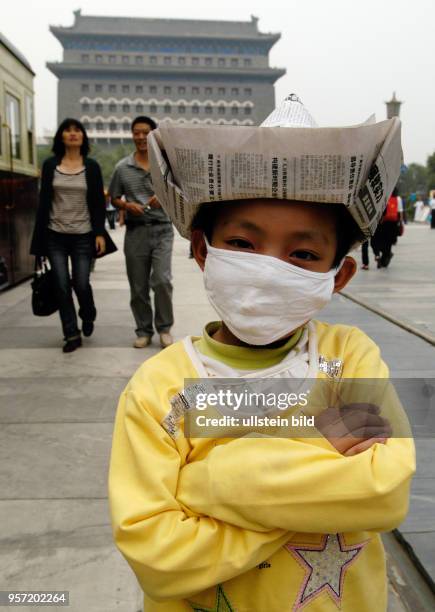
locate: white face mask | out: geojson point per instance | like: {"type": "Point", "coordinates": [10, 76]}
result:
{"type": "Point", "coordinates": [261, 298]}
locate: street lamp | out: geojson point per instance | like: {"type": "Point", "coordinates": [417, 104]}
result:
{"type": "Point", "coordinates": [393, 107]}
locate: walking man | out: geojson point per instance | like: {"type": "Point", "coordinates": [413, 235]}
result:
{"type": "Point", "coordinates": [148, 240]}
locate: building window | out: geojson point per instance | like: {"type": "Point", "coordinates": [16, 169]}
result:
{"type": "Point", "coordinates": [247, 62]}
{"type": "Point", "coordinates": [125, 108]}
{"type": "Point", "coordinates": [248, 110]}
{"type": "Point", "coordinates": [209, 91]}
{"type": "Point", "coordinates": [181, 109]}
{"type": "Point", "coordinates": [153, 89]}
{"type": "Point", "coordinates": [208, 61]}
{"type": "Point", "coordinates": [182, 61]}
{"type": "Point", "coordinates": [221, 61]}
{"type": "Point", "coordinates": [182, 90]}
{"type": "Point", "coordinates": [126, 126]}
{"type": "Point", "coordinates": [98, 88]}
{"type": "Point", "coordinates": [125, 88]}
{"type": "Point", "coordinates": [234, 91]}
{"type": "Point", "coordinates": [113, 126]}
{"type": "Point", "coordinates": [167, 60]}
{"type": "Point", "coordinates": [86, 125]}
{"type": "Point", "coordinates": [208, 110]}
{"type": "Point", "coordinates": [234, 110]}
{"type": "Point", "coordinates": [221, 110]}
{"type": "Point", "coordinates": [112, 108]}
{"type": "Point", "coordinates": [85, 107]}
{"type": "Point", "coordinates": [234, 61]}
{"type": "Point", "coordinates": [29, 121]}
{"type": "Point", "coordinates": [85, 58]}
{"type": "Point", "coordinates": [99, 59]}
{"type": "Point", "coordinates": [99, 107]}
{"type": "Point", "coordinates": [138, 59]}
{"type": "Point", "coordinates": [100, 126]}
{"type": "Point", "coordinates": [112, 88]}
{"type": "Point", "coordinates": [195, 109]}
{"type": "Point", "coordinates": [153, 108]}
{"type": "Point", "coordinates": [222, 91]}
{"type": "Point", "coordinates": [85, 87]}
{"type": "Point", "coordinates": [248, 91]}
{"type": "Point", "coordinates": [125, 59]}
{"type": "Point", "coordinates": [167, 90]}
{"type": "Point", "coordinates": [153, 59]}
{"type": "Point", "coordinates": [195, 90]}
{"type": "Point", "coordinates": [139, 88]}
{"type": "Point", "coordinates": [139, 108]}
{"type": "Point", "coordinates": [112, 59]}
{"type": "Point", "coordinates": [195, 61]}
{"type": "Point", "coordinates": [167, 108]}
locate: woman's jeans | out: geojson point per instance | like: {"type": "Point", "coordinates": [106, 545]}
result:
{"type": "Point", "coordinates": [80, 248]}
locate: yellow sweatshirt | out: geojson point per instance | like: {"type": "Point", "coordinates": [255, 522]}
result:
{"type": "Point", "coordinates": [252, 524]}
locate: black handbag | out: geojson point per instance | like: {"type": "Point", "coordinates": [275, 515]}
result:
{"type": "Point", "coordinates": [110, 246]}
{"type": "Point", "coordinates": [44, 298]}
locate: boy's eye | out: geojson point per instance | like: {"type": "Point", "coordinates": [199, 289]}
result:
{"type": "Point", "coordinates": [305, 255]}
{"type": "Point", "coordinates": [240, 243]}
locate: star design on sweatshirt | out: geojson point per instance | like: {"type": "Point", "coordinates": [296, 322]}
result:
{"type": "Point", "coordinates": [222, 603]}
{"type": "Point", "coordinates": [326, 565]}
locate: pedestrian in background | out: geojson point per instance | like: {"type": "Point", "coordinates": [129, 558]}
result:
{"type": "Point", "coordinates": [70, 226]}
{"type": "Point", "coordinates": [148, 240]}
{"type": "Point", "coordinates": [432, 209]}
{"type": "Point", "coordinates": [110, 211]}
{"type": "Point", "coordinates": [387, 230]}
{"type": "Point", "coordinates": [365, 255]}
{"type": "Point", "coordinates": [419, 210]}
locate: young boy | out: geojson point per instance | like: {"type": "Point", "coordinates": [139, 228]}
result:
{"type": "Point", "coordinates": [258, 523]}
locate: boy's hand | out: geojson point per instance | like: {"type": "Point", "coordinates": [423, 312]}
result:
{"type": "Point", "coordinates": [363, 446]}
{"type": "Point", "coordinates": [353, 428]}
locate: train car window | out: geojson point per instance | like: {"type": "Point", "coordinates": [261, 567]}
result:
{"type": "Point", "coordinates": [29, 122]}
{"type": "Point", "coordinates": [14, 124]}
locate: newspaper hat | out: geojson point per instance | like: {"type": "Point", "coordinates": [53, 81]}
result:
{"type": "Point", "coordinates": [288, 157]}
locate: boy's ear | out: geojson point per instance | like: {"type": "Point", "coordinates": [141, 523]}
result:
{"type": "Point", "coordinates": [199, 248]}
{"type": "Point", "coordinates": [345, 273]}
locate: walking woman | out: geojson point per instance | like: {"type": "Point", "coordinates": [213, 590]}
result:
{"type": "Point", "coordinates": [70, 225]}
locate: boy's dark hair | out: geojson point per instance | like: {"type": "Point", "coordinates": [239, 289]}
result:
{"type": "Point", "coordinates": [348, 232]}
{"type": "Point", "coordinates": [144, 119]}
{"type": "Point", "coordinates": [58, 147]}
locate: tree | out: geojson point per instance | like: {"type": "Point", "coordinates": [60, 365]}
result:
{"type": "Point", "coordinates": [430, 165]}
{"type": "Point", "coordinates": [108, 158]}
{"type": "Point", "coordinates": [413, 180]}
{"type": "Point", "coordinates": [42, 152]}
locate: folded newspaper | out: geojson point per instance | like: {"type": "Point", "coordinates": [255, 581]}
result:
{"type": "Point", "coordinates": [288, 157]}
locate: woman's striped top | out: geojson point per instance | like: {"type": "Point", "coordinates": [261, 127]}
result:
{"type": "Point", "coordinates": [69, 212]}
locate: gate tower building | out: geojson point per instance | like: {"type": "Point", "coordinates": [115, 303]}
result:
{"type": "Point", "coordinates": [184, 70]}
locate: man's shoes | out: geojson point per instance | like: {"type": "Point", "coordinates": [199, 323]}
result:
{"type": "Point", "coordinates": [87, 328]}
{"type": "Point", "coordinates": [166, 339]}
{"type": "Point", "coordinates": [142, 341]}
{"type": "Point", "coordinates": [364, 267]}
{"type": "Point", "coordinates": [72, 344]}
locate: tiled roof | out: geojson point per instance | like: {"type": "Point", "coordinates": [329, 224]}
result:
{"type": "Point", "coordinates": [143, 26]}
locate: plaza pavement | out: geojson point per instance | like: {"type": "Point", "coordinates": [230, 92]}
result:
{"type": "Point", "coordinates": [57, 416]}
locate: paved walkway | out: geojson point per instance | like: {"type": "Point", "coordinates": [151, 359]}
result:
{"type": "Point", "coordinates": [56, 423]}
{"type": "Point", "coordinates": [406, 289]}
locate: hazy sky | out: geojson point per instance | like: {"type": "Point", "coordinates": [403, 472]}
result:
{"type": "Point", "coordinates": [343, 58]}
